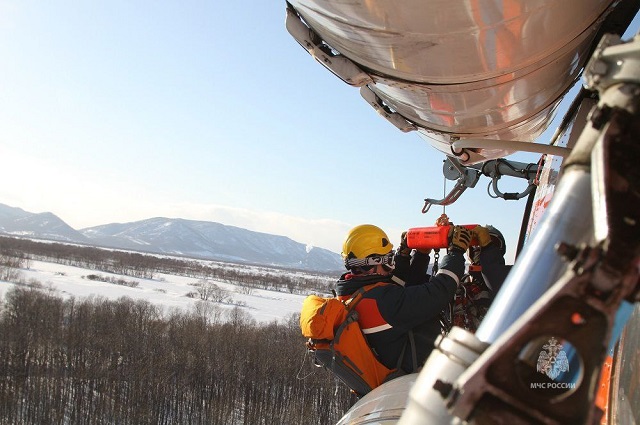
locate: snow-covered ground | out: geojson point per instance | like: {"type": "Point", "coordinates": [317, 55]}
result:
{"type": "Point", "coordinates": [168, 291]}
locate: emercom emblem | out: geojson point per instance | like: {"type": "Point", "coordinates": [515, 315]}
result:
{"type": "Point", "coordinates": [552, 360]}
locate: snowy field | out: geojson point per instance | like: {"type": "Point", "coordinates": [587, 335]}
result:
{"type": "Point", "coordinates": [168, 291]}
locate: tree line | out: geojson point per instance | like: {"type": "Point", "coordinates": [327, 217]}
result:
{"type": "Point", "coordinates": [146, 266]}
{"type": "Point", "coordinates": [96, 361]}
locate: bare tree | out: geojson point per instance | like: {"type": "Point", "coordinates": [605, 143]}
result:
{"type": "Point", "coordinates": [208, 290]}
{"type": "Point", "coordinates": [96, 360]}
{"type": "Point", "coordinates": [10, 267]}
{"type": "Point", "coordinates": [245, 290]}
{"type": "Point", "coordinates": [208, 312]}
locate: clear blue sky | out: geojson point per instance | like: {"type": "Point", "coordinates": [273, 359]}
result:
{"type": "Point", "coordinates": [119, 111]}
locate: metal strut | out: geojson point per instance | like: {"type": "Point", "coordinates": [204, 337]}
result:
{"type": "Point", "coordinates": [468, 176]}
{"type": "Point", "coordinates": [506, 384]}
{"type": "Point", "coordinates": [579, 311]}
{"type": "Point", "coordinates": [544, 358]}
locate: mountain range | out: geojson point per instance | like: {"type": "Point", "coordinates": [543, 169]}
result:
{"type": "Point", "coordinates": [175, 236]}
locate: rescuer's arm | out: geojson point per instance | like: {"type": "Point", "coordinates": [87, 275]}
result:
{"type": "Point", "coordinates": [418, 303]}
{"type": "Point", "coordinates": [494, 270]}
{"type": "Point", "coordinates": [411, 265]}
{"type": "Point", "coordinates": [402, 260]}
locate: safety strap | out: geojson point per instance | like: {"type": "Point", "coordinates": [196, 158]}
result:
{"type": "Point", "coordinates": [352, 302]}
{"type": "Point", "coordinates": [414, 357]}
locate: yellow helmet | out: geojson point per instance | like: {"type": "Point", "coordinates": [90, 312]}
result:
{"type": "Point", "coordinates": [366, 240]}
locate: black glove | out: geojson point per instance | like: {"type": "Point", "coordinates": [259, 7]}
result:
{"type": "Point", "coordinates": [460, 238]}
{"type": "Point", "coordinates": [403, 249]}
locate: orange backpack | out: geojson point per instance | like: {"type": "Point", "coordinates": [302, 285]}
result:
{"type": "Point", "coordinates": [338, 344]}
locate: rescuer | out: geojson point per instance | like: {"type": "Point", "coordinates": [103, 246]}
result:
{"type": "Point", "coordinates": [393, 315]}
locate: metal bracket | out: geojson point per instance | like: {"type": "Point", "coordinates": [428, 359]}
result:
{"type": "Point", "coordinates": [613, 62]}
{"type": "Point", "coordinates": [393, 117]}
{"type": "Point", "coordinates": [338, 64]}
{"type": "Point", "coordinates": [495, 169]}
{"type": "Point", "coordinates": [467, 177]}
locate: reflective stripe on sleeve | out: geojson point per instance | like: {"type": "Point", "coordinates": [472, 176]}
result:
{"type": "Point", "coordinates": [377, 329]}
{"type": "Point", "coordinates": [450, 274]}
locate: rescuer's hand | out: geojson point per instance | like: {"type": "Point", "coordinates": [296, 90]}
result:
{"type": "Point", "coordinates": [404, 249]}
{"type": "Point", "coordinates": [460, 238]}
{"type": "Point", "coordinates": [482, 235]}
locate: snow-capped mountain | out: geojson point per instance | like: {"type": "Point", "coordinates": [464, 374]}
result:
{"type": "Point", "coordinates": [175, 236]}
{"type": "Point", "coordinates": [18, 222]}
